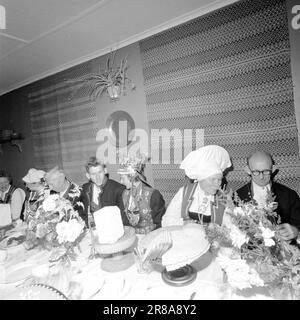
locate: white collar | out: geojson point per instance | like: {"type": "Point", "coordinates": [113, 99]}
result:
{"type": "Point", "coordinates": [96, 188]}
{"type": "Point", "coordinates": [260, 194]}
{"type": "Point", "coordinates": [257, 188]}
{"type": "Point", "coordinates": [3, 193]}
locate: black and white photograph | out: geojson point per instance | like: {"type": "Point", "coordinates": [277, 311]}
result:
{"type": "Point", "coordinates": [149, 153]}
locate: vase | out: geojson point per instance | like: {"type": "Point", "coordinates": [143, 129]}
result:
{"type": "Point", "coordinates": [226, 291]}
{"type": "Point", "coordinates": [60, 276]}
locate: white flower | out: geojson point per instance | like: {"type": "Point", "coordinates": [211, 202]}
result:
{"type": "Point", "coordinates": [267, 234]}
{"type": "Point", "coordinates": [239, 210]}
{"type": "Point", "coordinates": [231, 253]}
{"type": "Point", "coordinates": [80, 204]}
{"type": "Point", "coordinates": [61, 229]}
{"type": "Point", "coordinates": [49, 203]}
{"type": "Point", "coordinates": [130, 170]}
{"type": "Point", "coordinates": [269, 242]}
{"type": "Point", "coordinates": [255, 279]}
{"type": "Point", "coordinates": [237, 270]}
{"type": "Point", "coordinates": [237, 237]}
{"type": "Point", "coordinates": [68, 231]}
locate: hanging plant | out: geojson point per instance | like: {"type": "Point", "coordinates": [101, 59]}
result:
{"type": "Point", "coordinates": [112, 80]}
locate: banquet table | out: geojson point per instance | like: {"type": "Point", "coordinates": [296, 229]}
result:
{"type": "Point", "coordinates": [96, 284]}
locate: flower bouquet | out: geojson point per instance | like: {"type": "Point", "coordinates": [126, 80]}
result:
{"type": "Point", "coordinates": [57, 227]}
{"type": "Point", "coordinates": [251, 252]}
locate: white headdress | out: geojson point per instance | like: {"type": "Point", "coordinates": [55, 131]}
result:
{"type": "Point", "coordinates": [205, 162]}
{"type": "Point", "coordinates": [34, 175]}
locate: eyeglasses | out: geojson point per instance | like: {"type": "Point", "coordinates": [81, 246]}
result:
{"type": "Point", "coordinates": [264, 172]}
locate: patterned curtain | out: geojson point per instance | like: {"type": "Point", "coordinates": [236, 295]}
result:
{"type": "Point", "coordinates": [64, 123]}
{"type": "Point", "coordinates": [228, 73]}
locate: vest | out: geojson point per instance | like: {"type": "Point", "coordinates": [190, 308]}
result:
{"type": "Point", "coordinates": [8, 195]}
{"type": "Point", "coordinates": [141, 220]}
{"type": "Point", "coordinates": [8, 198]}
{"type": "Point", "coordinates": [217, 207]}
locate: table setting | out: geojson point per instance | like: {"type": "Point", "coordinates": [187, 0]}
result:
{"type": "Point", "coordinates": [30, 274]}
{"type": "Point", "coordinates": [55, 257]}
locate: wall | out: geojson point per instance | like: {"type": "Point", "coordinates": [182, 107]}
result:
{"type": "Point", "coordinates": [15, 115]}
{"type": "Point", "coordinates": [294, 35]}
{"type": "Point", "coordinates": [228, 73]}
{"type": "Point", "coordinates": [51, 97]}
{"type": "Point", "coordinates": [134, 102]}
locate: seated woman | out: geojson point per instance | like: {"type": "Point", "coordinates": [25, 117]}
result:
{"type": "Point", "coordinates": [200, 199]}
{"type": "Point", "coordinates": [144, 206]}
{"type": "Point", "coordinates": [12, 199]}
{"type": "Point", "coordinates": [35, 182]}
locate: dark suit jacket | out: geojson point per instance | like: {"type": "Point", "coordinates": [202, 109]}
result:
{"type": "Point", "coordinates": [287, 199]}
{"type": "Point", "coordinates": [111, 195]}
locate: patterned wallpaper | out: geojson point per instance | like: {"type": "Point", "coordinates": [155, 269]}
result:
{"type": "Point", "coordinates": [63, 122]}
{"type": "Point", "coordinates": [227, 72]}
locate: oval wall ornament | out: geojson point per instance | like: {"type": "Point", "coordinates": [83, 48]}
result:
{"type": "Point", "coordinates": [119, 125]}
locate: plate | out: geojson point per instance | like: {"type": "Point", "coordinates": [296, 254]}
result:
{"type": "Point", "coordinates": [180, 277]}
{"type": "Point", "coordinates": [18, 273]}
{"type": "Point", "coordinates": [12, 240]}
{"type": "Point", "coordinates": [90, 279]}
{"type": "Point", "coordinates": [113, 290]}
{"type": "Point", "coordinates": [36, 292]}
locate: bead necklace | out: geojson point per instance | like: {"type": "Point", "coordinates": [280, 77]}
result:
{"type": "Point", "coordinates": [202, 207]}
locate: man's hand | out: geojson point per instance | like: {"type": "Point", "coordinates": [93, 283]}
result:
{"type": "Point", "coordinates": [287, 231]}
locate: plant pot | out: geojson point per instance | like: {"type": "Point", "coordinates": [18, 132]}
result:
{"type": "Point", "coordinates": [114, 92]}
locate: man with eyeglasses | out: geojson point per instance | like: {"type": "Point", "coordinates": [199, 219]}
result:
{"type": "Point", "coordinates": [260, 169]}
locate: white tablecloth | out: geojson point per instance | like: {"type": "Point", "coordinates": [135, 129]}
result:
{"type": "Point", "coordinates": [97, 284]}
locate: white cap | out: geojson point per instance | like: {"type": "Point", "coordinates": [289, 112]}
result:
{"type": "Point", "coordinates": [205, 162]}
{"type": "Point", "coordinates": [34, 175]}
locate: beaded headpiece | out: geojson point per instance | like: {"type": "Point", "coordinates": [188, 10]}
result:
{"type": "Point", "coordinates": [133, 165]}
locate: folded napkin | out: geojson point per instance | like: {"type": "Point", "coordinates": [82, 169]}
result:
{"type": "Point", "coordinates": [90, 280]}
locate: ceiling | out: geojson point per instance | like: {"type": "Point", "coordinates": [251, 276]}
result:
{"type": "Point", "coordinates": [43, 37]}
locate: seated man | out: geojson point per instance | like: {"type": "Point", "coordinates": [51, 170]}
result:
{"type": "Point", "coordinates": [144, 205]}
{"type": "Point", "coordinates": [100, 191]}
{"type": "Point", "coordinates": [260, 169]}
{"type": "Point", "coordinates": [9, 194]}
{"type": "Point", "coordinates": [58, 183]}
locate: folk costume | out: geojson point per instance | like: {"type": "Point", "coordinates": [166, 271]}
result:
{"type": "Point", "coordinates": [36, 197]}
{"type": "Point", "coordinates": [144, 206]}
{"type": "Point", "coordinates": [191, 203]}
